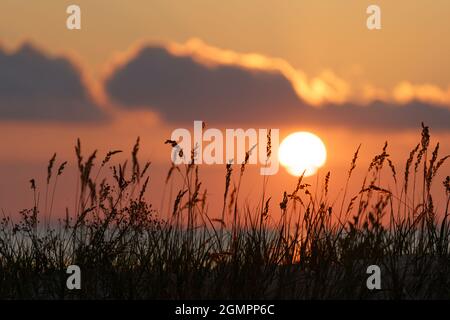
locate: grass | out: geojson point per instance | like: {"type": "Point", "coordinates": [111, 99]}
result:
{"type": "Point", "coordinates": [316, 249]}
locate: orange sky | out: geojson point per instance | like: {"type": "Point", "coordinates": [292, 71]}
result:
{"type": "Point", "coordinates": [310, 35]}
{"type": "Point", "coordinates": [323, 49]}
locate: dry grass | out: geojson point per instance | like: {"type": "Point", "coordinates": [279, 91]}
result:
{"type": "Point", "coordinates": [317, 249]}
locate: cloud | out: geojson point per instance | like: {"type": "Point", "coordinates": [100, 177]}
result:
{"type": "Point", "coordinates": [191, 81]}
{"type": "Point", "coordinates": [183, 85]}
{"type": "Point", "coordinates": [181, 88]}
{"type": "Point", "coordinates": [34, 87]}
{"type": "Point", "coordinates": [324, 88]}
{"type": "Point", "coordinates": [405, 92]}
{"type": "Point", "coordinates": [381, 115]}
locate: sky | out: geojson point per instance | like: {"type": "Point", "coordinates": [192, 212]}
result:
{"type": "Point", "coordinates": [145, 68]}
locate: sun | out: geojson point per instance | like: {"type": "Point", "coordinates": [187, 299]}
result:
{"type": "Point", "coordinates": [302, 152]}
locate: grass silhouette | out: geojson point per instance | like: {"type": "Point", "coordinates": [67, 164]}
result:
{"type": "Point", "coordinates": [315, 250]}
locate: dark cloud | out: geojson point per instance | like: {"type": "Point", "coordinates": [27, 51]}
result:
{"type": "Point", "coordinates": [38, 88]}
{"type": "Point", "coordinates": [381, 115]}
{"type": "Point", "coordinates": [181, 89]}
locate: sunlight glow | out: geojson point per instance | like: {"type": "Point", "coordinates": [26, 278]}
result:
{"type": "Point", "coordinates": [302, 152]}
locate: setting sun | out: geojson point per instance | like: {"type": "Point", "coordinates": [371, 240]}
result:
{"type": "Point", "coordinates": [302, 152]}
